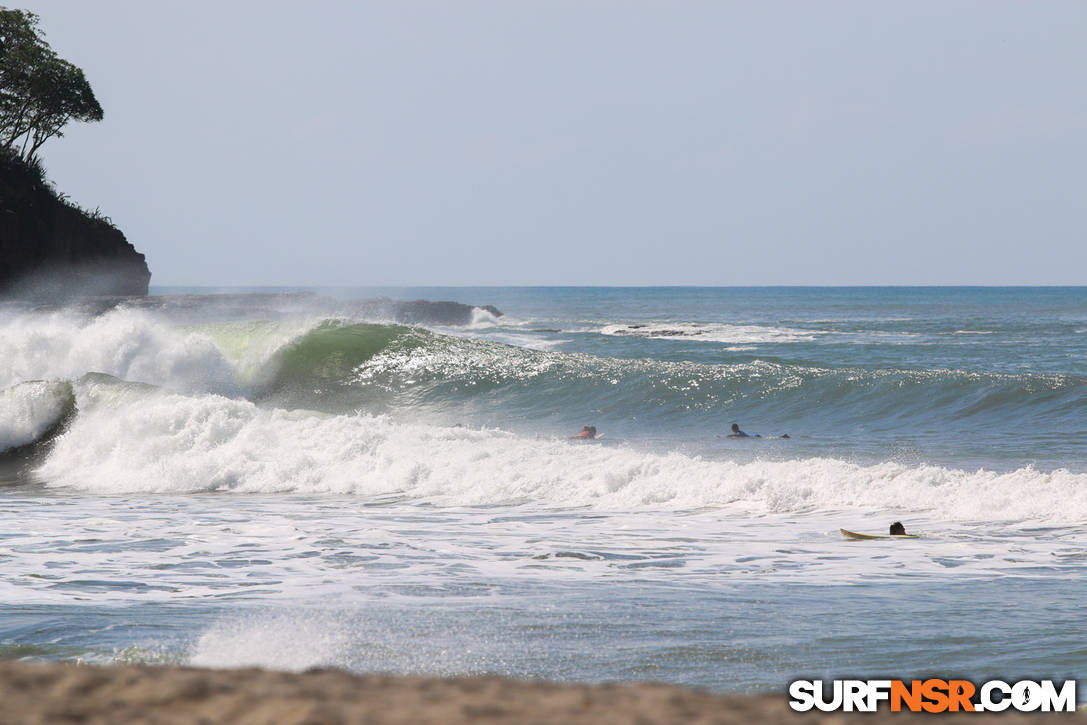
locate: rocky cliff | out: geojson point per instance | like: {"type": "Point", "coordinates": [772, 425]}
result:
{"type": "Point", "coordinates": [51, 249]}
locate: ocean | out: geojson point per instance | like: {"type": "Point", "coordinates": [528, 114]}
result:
{"type": "Point", "coordinates": [284, 478]}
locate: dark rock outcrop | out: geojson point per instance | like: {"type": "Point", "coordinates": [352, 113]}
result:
{"type": "Point", "coordinates": [50, 249]}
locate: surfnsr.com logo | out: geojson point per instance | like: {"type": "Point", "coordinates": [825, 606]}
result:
{"type": "Point", "coordinates": [933, 695]}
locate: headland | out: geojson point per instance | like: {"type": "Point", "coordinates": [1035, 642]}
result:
{"type": "Point", "coordinates": [51, 249]}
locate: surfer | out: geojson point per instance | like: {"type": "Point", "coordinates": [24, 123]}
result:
{"type": "Point", "coordinates": [897, 529]}
{"type": "Point", "coordinates": [588, 433]}
{"type": "Point", "coordinates": [737, 433]}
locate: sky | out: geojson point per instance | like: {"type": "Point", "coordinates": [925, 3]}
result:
{"type": "Point", "coordinates": [583, 142]}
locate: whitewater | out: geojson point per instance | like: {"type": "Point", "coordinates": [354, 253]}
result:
{"type": "Point", "coordinates": [291, 479]}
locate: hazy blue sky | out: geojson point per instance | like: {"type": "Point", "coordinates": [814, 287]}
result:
{"type": "Point", "coordinates": [549, 142]}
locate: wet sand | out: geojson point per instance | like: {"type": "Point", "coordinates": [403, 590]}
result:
{"type": "Point", "coordinates": [62, 693]}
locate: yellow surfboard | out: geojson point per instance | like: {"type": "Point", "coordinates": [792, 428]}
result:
{"type": "Point", "coordinates": [854, 535]}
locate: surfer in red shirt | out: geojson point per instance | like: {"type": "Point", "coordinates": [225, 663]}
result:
{"type": "Point", "coordinates": [588, 433]}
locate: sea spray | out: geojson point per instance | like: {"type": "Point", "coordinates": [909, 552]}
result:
{"type": "Point", "coordinates": [128, 344]}
{"type": "Point", "coordinates": [280, 640]}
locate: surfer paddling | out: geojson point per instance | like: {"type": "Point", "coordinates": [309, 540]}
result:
{"type": "Point", "coordinates": [588, 433]}
{"type": "Point", "coordinates": [897, 529]}
{"type": "Point", "coordinates": [737, 433]}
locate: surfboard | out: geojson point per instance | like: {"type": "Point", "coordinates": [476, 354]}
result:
{"type": "Point", "coordinates": [854, 535]}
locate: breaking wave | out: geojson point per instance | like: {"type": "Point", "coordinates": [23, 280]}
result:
{"type": "Point", "coordinates": [32, 412]}
{"type": "Point", "coordinates": [341, 406]}
{"type": "Point", "coordinates": [342, 366]}
{"type": "Point", "coordinates": [131, 438]}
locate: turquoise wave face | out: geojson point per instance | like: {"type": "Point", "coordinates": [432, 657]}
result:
{"type": "Point", "coordinates": [340, 367]}
{"type": "Point", "coordinates": [319, 366]}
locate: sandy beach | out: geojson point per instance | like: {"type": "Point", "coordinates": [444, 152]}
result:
{"type": "Point", "coordinates": [62, 693]}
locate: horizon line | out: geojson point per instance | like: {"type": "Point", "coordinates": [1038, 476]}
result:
{"type": "Point", "coordinates": [623, 286]}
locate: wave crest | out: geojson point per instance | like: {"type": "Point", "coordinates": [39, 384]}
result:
{"type": "Point", "coordinates": [32, 412]}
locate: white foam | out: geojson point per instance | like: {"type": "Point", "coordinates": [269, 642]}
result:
{"type": "Point", "coordinates": [29, 410]}
{"type": "Point", "coordinates": [138, 346]}
{"type": "Point", "coordinates": [732, 334]}
{"type": "Point", "coordinates": [482, 318]}
{"type": "Point", "coordinates": [530, 342]}
{"type": "Point", "coordinates": [127, 344]}
{"type": "Point", "coordinates": [129, 441]}
{"type": "Point", "coordinates": [244, 554]}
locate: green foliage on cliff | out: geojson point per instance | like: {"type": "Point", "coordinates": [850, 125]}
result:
{"type": "Point", "coordinates": [39, 91]}
{"type": "Point", "coordinates": [24, 187]}
{"type": "Point", "coordinates": [52, 249]}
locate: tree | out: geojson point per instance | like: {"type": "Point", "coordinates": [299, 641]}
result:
{"type": "Point", "coordinates": [39, 91]}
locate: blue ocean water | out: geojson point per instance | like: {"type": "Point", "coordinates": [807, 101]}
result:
{"type": "Point", "coordinates": [288, 479]}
